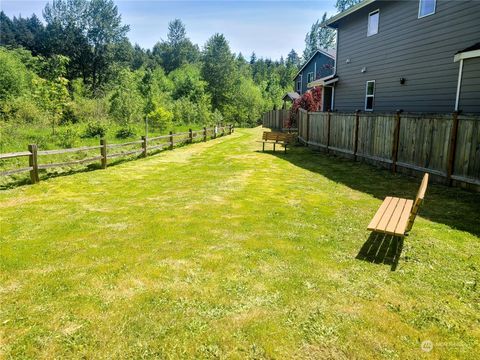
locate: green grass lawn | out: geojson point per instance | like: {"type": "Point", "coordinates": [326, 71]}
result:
{"type": "Point", "coordinates": [217, 250]}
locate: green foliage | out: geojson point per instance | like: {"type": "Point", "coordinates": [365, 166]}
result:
{"type": "Point", "coordinates": [319, 37]}
{"type": "Point", "coordinates": [219, 71]}
{"type": "Point", "coordinates": [13, 76]}
{"type": "Point", "coordinates": [126, 103]}
{"type": "Point", "coordinates": [125, 132]}
{"type": "Point", "coordinates": [67, 137]}
{"type": "Point", "coordinates": [160, 118]}
{"type": "Point", "coordinates": [95, 129]}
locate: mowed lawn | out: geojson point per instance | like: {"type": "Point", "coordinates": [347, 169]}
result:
{"type": "Point", "coordinates": [217, 250]}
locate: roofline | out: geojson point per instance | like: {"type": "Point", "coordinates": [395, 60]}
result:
{"type": "Point", "coordinates": [311, 57]}
{"type": "Point", "coordinates": [466, 55]}
{"type": "Point", "coordinates": [347, 12]}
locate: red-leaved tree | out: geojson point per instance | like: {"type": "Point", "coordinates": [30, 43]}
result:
{"type": "Point", "coordinates": [310, 101]}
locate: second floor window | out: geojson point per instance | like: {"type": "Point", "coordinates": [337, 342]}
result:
{"type": "Point", "coordinates": [373, 19]}
{"type": "Point", "coordinates": [426, 7]}
{"type": "Point", "coordinates": [310, 77]}
{"type": "Point", "coordinates": [299, 86]}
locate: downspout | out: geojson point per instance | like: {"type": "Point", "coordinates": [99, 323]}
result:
{"type": "Point", "coordinates": [459, 84]}
{"type": "Point", "coordinates": [335, 69]}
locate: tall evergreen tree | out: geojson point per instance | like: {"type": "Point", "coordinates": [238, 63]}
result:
{"type": "Point", "coordinates": [293, 58]}
{"type": "Point", "coordinates": [343, 5]}
{"type": "Point", "coordinates": [177, 50]}
{"type": "Point", "coordinates": [219, 70]}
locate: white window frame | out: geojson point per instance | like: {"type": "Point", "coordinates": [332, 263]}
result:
{"type": "Point", "coordinates": [367, 95]}
{"type": "Point", "coordinates": [368, 22]}
{"type": "Point", "coordinates": [310, 77]}
{"type": "Point", "coordinates": [420, 8]}
{"type": "Point", "coordinates": [299, 85]}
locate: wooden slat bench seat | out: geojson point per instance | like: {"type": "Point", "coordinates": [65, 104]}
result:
{"type": "Point", "coordinates": [273, 137]}
{"type": "Point", "coordinates": [396, 215]}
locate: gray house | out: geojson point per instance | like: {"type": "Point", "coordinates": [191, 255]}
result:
{"type": "Point", "coordinates": [320, 64]}
{"type": "Point", "coordinates": [416, 55]}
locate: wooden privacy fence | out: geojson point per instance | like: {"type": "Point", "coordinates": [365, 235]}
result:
{"type": "Point", "coordinates": [444, 145]}
{"type": "Point", "coordinates": [276, 119]}
{"type": "Point", "coordinates": [105, 151]}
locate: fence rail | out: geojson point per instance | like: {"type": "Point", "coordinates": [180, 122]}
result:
{"type": "Point", "coordinates": [444, 145]}
{"type": "Point", "coordinates": [147, 145]}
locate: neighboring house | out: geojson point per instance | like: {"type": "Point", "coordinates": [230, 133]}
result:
{"type": "Point", "coordinates": [320, 65]}
{"type": "Point", "coordinates": [417, 56]}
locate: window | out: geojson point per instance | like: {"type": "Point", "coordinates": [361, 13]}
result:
{"type": "Point", "coordinates": [369, 95]}
{"type": "Point", "coordinates": [426, 7]}
{"type": "Point", "coordinates": [310, 77]}
{"type": "Point", "coordinates": [373, 18]}
{"type": "Point", "coordinates": [299, 85]}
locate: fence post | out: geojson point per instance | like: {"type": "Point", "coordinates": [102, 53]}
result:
{"type": "Point", "coordinates": [215, 128]}
{"type": "Point", "coordinates": [190, 136]}
{"type": "Point", "coordinates": [144, 146]}
{"type": "Point", "coordinates": [452, 148]}
{"type": "Point", "coordinates": [329, 118]}
{"type": "Point", "coordinates": [308, 129]}
{"type": "Point", "coordinates": [171, 140]}
{"type": "Point", "coordinates": [204, 134]}
{"type": "Point", "coordinates": [355, 144]}
{"type": "Point", "coordinates": [103, 152]}
{"type": "Point", "coordinates": [396, 142]}
{"type": "Point", "coordinates": [32, 162]}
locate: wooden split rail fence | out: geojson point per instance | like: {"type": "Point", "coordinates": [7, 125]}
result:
{"type": "Point", "coordinates": [445, 145]}
{"type": "Point", "coordinates": [146, 144]}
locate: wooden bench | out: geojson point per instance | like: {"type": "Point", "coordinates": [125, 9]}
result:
{"type": "Point", "coordinates": [272, 137]}
{"type": "Point", "coordinates": [396, 215]}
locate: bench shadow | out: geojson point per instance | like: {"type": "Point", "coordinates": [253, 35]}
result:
{"type": "Point", "coordinates": [451, 206]}
{"type": "Point", "coordinates": [382, 249]}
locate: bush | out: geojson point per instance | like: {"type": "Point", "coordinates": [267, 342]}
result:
{"type": "Point", "coordinates": [95, 129]}
{"type": "Point", "coordinates": [67, 138]}
{"type": "Point", "coordinates": [160, 118]}
{"type": "Point", "coordinates": [68, 116]}
{"type": "Point", "coordinates": [125, 132]}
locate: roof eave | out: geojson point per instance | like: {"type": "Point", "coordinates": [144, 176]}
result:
{"type": "Point", "coordinates": [311, 57]}
{"type": "Point", "coordinates": [331, 22]}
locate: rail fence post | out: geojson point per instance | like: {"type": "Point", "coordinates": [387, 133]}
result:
{"type": "Point", "coordinates": [171, 140]}
{"type": "Point", "coordinates": [103, 152]}
{"type": "Point", "coordinates": [396, 141]}
{"type": "Point", "coordinates": [204, 134]}
{"type": "Point", "coordinates": [144, 146]}
{"type": "Point", "coordinates": [329, 119]}
{"type": "Point", "coordinates": [33, 163]}
{"type": "Point", "coordinates": [190, 136]}
{"type": "Point", "coordinates": [215, 129]}
{"type": "Point", "coordinates": [452, 148]}
{"type": "Point", "coordinates": [355, 144]}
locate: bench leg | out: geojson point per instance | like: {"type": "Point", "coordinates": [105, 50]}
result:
{"type": "Point", "coordinates": [263, 147]}
{"type": "Point", "coordinates": [285, 148]}
{"type": "Point", "coordinates": [274, 147]}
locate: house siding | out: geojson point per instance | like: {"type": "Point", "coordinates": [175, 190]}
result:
{"type": "Point", "coordinates": [419, 50]}
{"type": "Point", "coordinates": [324, 67]}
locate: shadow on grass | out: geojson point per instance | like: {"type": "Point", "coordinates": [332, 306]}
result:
{"type": "Point", "coordinates": [457, 208]}
{"type": "Point", "coordinates": [382, 249]}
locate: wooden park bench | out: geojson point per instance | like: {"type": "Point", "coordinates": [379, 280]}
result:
{"type": "Point", "coordinates": [272, 137]}
{"type": "Point", "coordinates": [396, 215]}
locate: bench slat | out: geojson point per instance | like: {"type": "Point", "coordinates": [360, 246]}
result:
{"type": "Point", "coordinates": [378, 215]}
{"type": "Point", "coordinates": [403, 221]}
{"type": "Point", "coordinates": [382, 224]}
{"type": "Point", "coordinates": [396, 215]}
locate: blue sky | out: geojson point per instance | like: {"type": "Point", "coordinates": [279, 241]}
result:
{"type": "Point", "coordinates": [270, 28]}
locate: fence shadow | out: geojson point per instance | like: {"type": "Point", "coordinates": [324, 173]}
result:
{"type": "Point", "coordinates": [382, 249]}
{"type": "Point", "coordinates": [454, 207]}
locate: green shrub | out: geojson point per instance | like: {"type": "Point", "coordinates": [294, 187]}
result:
{"type": "Point", "coordinates": [68, 116]}
{"type": "Point", "coordinates": [67, 137]}
{"type": "Point", "coordinates": [160, 118]}
{"type": "Point", "coordinates": [95, 129]}
{"type": "Point", "coordinates": [125, 132]}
